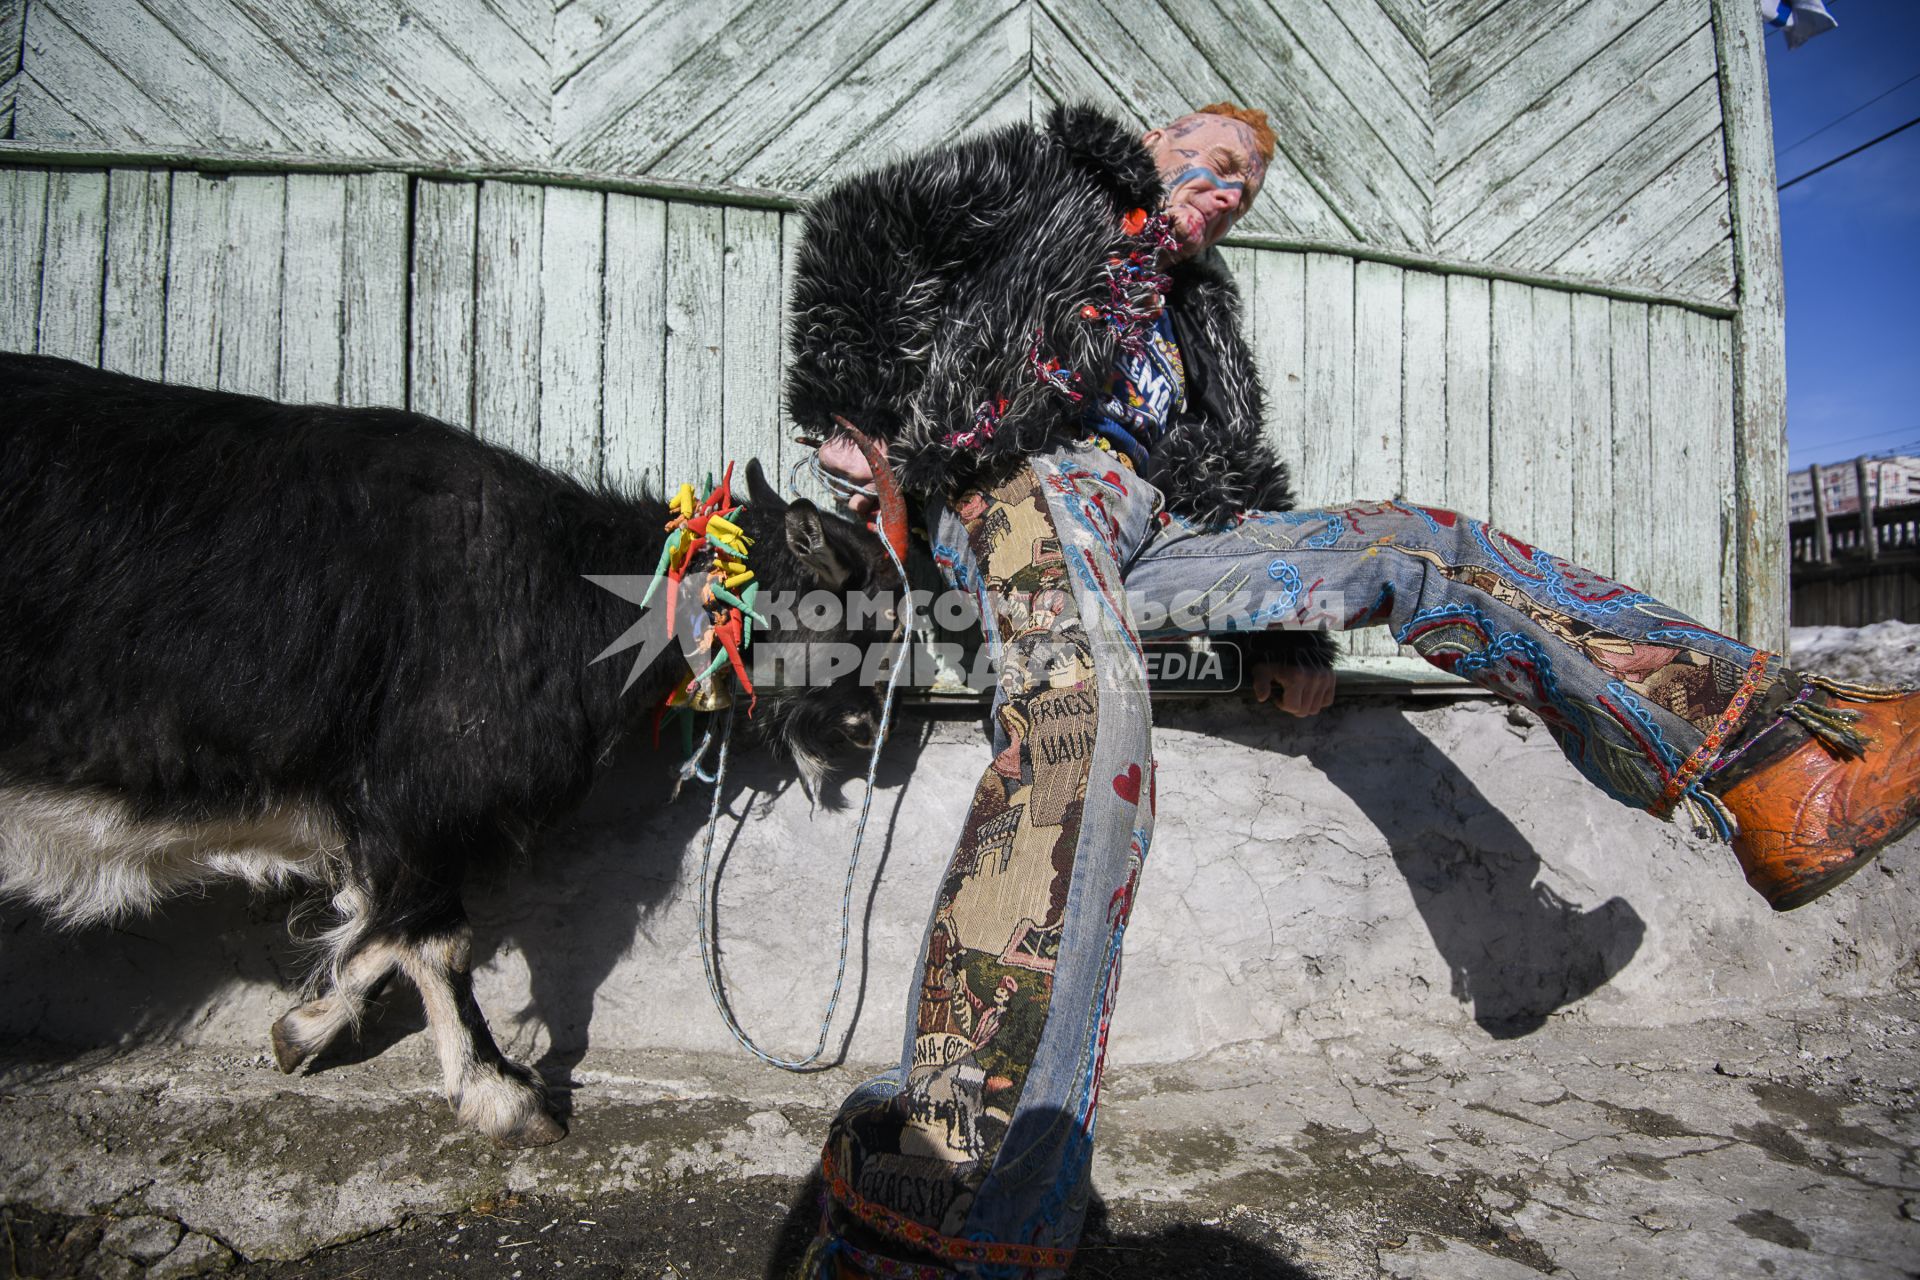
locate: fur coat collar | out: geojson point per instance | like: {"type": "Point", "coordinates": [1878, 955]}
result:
{"type": "Point", "coordinates": [927, 291]}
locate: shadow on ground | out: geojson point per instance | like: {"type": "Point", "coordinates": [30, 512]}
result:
{"type": "Point", "coordinates": [1518, 951]}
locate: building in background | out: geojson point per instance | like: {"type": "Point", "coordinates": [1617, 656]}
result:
{"type": "Point", "coordinates": [1849, 570]}
{"type": "Point", "coordinates": [1894, 480]}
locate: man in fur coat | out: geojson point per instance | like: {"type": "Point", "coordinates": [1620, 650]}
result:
{"type": "Point", "coordinates": [1037, 328]}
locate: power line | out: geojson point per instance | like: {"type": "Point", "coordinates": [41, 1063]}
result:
{"type": "Point", "coordinates": [1865, 435]}
{"type": "Point", "coordinates": [1850, 115]}
{"type": "Point", "coordinates": [1849, 154]}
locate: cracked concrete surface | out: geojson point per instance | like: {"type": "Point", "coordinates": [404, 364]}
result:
{"type": "Point", "coordinates": [1782, 1146]}
{"type": "Point", "coordinates": [1403, 998]}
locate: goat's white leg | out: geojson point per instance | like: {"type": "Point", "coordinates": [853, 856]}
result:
{"type": "Point", "coordinates": [499, 1098]}
{"type": "Point", "coordinates": [300, 1033]}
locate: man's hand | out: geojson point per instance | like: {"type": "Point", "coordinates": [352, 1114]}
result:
{"type": "Point", "coordinates": [1304, 691]}
{"type": "Point", "coordinates": [842, 457]}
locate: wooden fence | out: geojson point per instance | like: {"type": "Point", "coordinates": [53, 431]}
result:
{"type": "Point", "coordinates": [1855, 583]}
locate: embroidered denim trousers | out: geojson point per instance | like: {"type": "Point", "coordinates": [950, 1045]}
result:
{"type": "Point", "coordinates": [972, 1157]}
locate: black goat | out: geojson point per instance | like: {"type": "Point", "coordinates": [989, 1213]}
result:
{"type": "Point", "coordinates": [342, 647]}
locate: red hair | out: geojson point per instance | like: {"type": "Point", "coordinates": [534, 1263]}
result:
{"type": "Point", "coordinates": [1253, 118]}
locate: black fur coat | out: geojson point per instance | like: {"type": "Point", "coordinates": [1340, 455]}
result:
{"type": "Point", "coordinates": [919, 289]}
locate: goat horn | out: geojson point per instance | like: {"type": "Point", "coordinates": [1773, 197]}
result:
{"type": "Point", "coordinates": [893, 507]}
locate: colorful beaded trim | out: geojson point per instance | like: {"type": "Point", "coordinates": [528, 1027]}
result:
{"type": "Point", "coordinates": [727, 629]}
{"type": "Point", "coordinates": [1708, 752]}
{"type": "Point", "coordinates": [921, 1236]}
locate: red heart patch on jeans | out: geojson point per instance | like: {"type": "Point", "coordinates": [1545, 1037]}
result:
{"type": "Point", "coordinates": [1127, 785]}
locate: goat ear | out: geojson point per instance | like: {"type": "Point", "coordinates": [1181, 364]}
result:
{"type": "Point", "coordinates": [807, 539]}
{"type": "Point", "coordinates": [759, 492]}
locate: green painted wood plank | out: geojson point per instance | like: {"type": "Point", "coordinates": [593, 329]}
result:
{"type": "Point", "coordinates": [1630, 398]}
{"type": "Point", "coordinates": [1423, 404]}
{"type": "Point", "coordinates": [1592, 444]}
{"type": "Point", "coordinates": [441, 303]}
{"type": "Point", "coordinates": [1682, 570]}
{"type": "Point", "coordinates": [1448, 20]}
{"type": "Point", "coordinates": [75, 265]}
{"type": "Point", "coordinates": [1469, 369]}
{"type": "Point", "coordinates": [695, 331]}
{"type": "Point", "coordinates": [374, 338]}
{"type": "Point", "coordinates": [196, 246]}
{"type": "Point", "coordinates": [12, 21]}
{"type": "Point", "coordinates": [250, 269]}
{"type": "Point", "coordinates": [397, 78]}
{"type": "Point", "coordinates": [1759, 336]}
{"type": "Point", "coordinates": [750, 341]}
{"type": "Point", "coordinates": [1469, 396]}
{"type": "Point", "coordinates": [1393, 33]}
{"type": "Point", "coordinates": [1276, 302]}
{"type": "Point", "coordinates": [1693, 231]}
{"type": "Point", "coordinates": [1412, 19]}
{"type": "Point", "coordinates": [1513, 403]}
{"type": "Point", "coordinates": [1550, 453]}
{"type": "Point", "coordinates": [634, 395]}
{"type": "Point", "coordinates": [313, 289]}
{"type": "Point", "coordinates": [583, 29]}
{"type": "Point", "coordinates": [507, 317]}
{"type": "Point", "coordinates": [1379, 321]}
{"type": "Point", "coordinates": [23, 237]}
{"type": "Point", "coordinates": [1379, 458]}
{"type": "Point", "coordinates": [1327, 478]}
{"type": "Point", "coordinates": [572, 277]}
{"type": "Point", "coordinates": [134, 306]}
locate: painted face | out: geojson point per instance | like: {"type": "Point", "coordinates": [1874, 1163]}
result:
{"type": "Point", "coordinates": [1212, 169]}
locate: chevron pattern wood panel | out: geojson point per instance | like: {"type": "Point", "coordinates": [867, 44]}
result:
{"type": "Point", "coordinates": [1582, 139]}
{"type": "Point", "coordinates": [445, 80]}
{"type": "Point", "coordinates": [1343, 84]}
{"type": "Point", "coordinates": [13, 18]}
{"type": "Point", "coordinates": [1555, 136]}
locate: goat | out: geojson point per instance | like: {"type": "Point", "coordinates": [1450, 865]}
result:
{"type": "Point", "coordinates": [346, 648]}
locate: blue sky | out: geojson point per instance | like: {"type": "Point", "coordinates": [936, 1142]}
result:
{"type": "Point", "coordinates": [1851, 235]}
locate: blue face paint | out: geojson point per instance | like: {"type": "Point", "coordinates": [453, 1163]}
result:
{"type": "Point", "coordinates": [1207, 176]}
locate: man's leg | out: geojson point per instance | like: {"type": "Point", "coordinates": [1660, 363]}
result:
{"type": "Point", "coordinates": [1646, 702]}
{"type": "Point", "coordinates": [973, 1156]}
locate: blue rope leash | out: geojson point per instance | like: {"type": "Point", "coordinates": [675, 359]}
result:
{"type": "Point", "coordinates": [709, 943]}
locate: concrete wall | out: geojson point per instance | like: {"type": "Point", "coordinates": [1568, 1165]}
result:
{"type": "Point", "coordinates": [1440, 866]}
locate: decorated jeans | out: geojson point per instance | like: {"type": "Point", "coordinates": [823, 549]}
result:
{"type": "Point", "coordinates": [972, 1157]}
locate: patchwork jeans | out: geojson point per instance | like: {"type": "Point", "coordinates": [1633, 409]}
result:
{"type": "Point", "coordinates": [972, 1157]}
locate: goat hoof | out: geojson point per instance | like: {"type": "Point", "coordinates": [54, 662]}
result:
{"type": "Point", "coordinates": [537, 1130]}
{"type": "Point", "coordinates": [288, 1052]}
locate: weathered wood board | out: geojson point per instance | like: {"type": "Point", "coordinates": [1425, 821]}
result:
{"type": "Point", "coordinates": [1548, 135]}
{"type": "Point", "coordinates": [636, 340]}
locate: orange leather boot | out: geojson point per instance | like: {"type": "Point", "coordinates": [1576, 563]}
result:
{"type": "Point", "coordinates": [1837, 783]}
